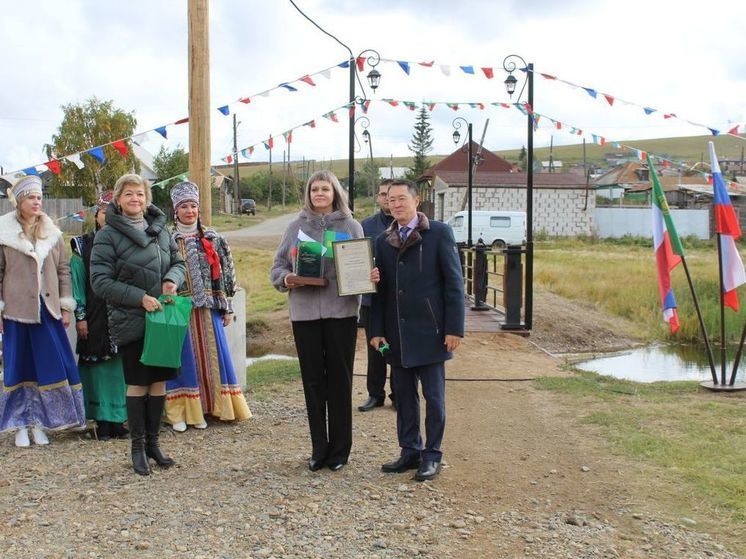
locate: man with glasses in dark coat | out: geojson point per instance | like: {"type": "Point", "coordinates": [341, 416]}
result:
{"type": "Point", "coordinates": [419, 312]}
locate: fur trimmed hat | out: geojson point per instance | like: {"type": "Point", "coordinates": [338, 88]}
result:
{"type": "Point", "coordinates": [183, 192]}
{"type": "Point", "coordinates": [23, 187]}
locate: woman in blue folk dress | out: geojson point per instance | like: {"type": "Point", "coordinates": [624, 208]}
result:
{"type": "Point", "coordinates": [207, 383]}
{"type": "Point", "coordinates": [41, 388]}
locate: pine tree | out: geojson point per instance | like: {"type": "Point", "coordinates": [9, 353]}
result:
{"type": "Point", "coordinates": [421, 145]}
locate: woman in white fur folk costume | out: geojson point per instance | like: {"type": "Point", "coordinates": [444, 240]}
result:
{"type": "Point", "coordinates": [41, 388]}
{"type": "Point", "coordinates": [207, 382]}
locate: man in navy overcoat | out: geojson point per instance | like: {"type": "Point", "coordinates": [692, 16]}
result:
{"type": "Point", "coordinates": [419, 311]}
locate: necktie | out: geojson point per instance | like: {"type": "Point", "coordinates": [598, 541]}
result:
{"type": "Point", "coordinates": [404, 233]}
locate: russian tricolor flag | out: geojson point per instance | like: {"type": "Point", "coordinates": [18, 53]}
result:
{"type": "Point", "coordinates": [726, 224]}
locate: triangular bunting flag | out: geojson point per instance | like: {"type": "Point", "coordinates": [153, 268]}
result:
{"type": "Point", "coordinates": [360, 61]}
{"type": "Point", "coordinates": [76, 160]}
{"type": "Point", "coordinates": [326, 73]}
{"type": "Point", "coordinates": [648, 110]}
{"type": "Point", "coordinates": [98, 153]}
{"type": "Point", "coordinates": [609, 99]}
{"type": "Point", "coordinates": [409, 104]}
{"type": "Point", "coordinates": [591, 92]}
{"type": "Point", "coordinates": [245, 100]}
{"type": "Point", "coordinates": [427, 64]}
{"type": "Point", "coordinates": [287, 86]}
{"type": "Point", "coordinates": [307, 79]}
{"type": "Point", "coordinates": [445, 69]}
{"type": "Point", "coordinates": [225, 110]}
{"type": "Point", "coordinates": [141, 138]}
{"type": "Point", "coordinates": [181, 121]}
{"type": "Point", "coordinates": [331, 116]}
{"type": "Point", "coordinates": [54, 166]}
{"type": "Point", "coordinates": [467, 69]}
{"type": "Point", "coordinates": [404, 66]}
{"type": "Point", "coordinates": [453, 106]}
{"type": "Point", "coordinates": [228, 159]}
{"type": "Point", "coordinates": [489, 73]}
{"type": "Point", "coordinates": [30, 171]}
{"type": "Point", "coordinates": [713, 131]}
{"type": "Point", "coordinates": [431, 106]}
{"type": "Point", "coordinates": [344, 64]}
{"type": "Point", "coordinates": [162, 131]}
{"type": "Point", "coordinates": [392, 102]}
{"type": "Point", "coordinates": [288, 136]}
{"type": "Point", "coordinates": [311, 123]}
{"type": "Point", "coordinates": [365, 105]}
{"type": "Point", "coordinates": [734, 130]}
{"type": "Point", "coordinates": [121, 147]}
{"type": "Point", "coordinates": [547, 76]}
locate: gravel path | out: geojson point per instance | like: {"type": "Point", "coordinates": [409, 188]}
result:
{"type": "Point", "coordinates": [520, 480]}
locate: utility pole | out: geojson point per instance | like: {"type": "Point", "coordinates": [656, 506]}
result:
{"type": "Point", "coordinates": [199, 103]}
{"type": "Point", "coordinates": [236, 177]}
{"type": "Point", "coordinates": [269, 197]}
{"type": "Point", "coordinates": [284, 176]}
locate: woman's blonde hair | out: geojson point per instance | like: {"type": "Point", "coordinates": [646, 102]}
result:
{"type": "Point", "coordinates": [31, 231]}
{"type": "Point", "coordinates": [132, 179]}
{"type": "Point", "coordinates": [339, 203]}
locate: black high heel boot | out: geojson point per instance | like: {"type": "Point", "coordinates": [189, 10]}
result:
{"type": "Point", "coordinates": [136, 413]}
{"type": "Point", "coordinates": [153, 427]}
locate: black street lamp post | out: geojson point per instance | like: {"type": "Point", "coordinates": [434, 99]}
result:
{"type": "Point", "coordinates": [510, 66]}
{"type": "Point", "coordinates": [374, 80]}
{"type": "Point", "coordinates": [364, 124]}
{"type": "Point", "coordinates": [457, 122]}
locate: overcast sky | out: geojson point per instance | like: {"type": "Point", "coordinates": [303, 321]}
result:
{"type": "Point", "coordinates": [677, 57]}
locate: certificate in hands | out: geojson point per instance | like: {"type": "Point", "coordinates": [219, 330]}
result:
{"type": "Point", "coordinates": [353, 260]}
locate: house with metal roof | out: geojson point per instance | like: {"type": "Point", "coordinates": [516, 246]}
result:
{"type": "Point", "coordinates": [563, 203]}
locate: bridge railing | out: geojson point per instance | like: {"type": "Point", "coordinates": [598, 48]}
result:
{"type": "Point", "coordinates": [493, 280]}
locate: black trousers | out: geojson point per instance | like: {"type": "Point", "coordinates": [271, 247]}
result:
{"type": "Point", "coordinates": [376, 377]}
{"type": "Point", "coordinates": [326, 351]}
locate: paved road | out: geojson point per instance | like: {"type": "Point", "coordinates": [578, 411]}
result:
{"type": "Point", "coordinates": [271, 227]}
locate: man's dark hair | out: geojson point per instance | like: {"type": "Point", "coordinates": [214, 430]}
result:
{"type": "Point", "coordinates": [404, 182]}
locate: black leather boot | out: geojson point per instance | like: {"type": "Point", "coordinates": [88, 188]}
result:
{"type": "Point", "coordinates": [136, 413]}
{"type": "Point", "coordinates": [153, 427]}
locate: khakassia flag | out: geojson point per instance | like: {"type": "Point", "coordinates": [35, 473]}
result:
{"type": "Point", "coordinates": [668, 250]}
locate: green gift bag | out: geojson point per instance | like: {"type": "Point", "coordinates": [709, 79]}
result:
{"type": "Point", "coordinates": [165, 331]}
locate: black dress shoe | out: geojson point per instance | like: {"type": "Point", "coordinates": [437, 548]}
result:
{"type": "Point", "coordinates": [371, 403]}
{"type": "Point", "coordinates": [403, 464]}
{"type": "Point", "coordinates": [335, 466]}
{"type": "Point", "coordinates": [315, 465]}
{"type": "Point", "coordinates": [428, 470]}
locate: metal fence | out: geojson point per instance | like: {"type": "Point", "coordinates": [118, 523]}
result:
{"type": "Point", "coordinates": [59, 209]}
{"type": "Point", "coordinates": [493, 279]}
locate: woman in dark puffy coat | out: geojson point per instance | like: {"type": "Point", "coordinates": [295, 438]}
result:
{"type": "Point", "coordinates": [134, 261]}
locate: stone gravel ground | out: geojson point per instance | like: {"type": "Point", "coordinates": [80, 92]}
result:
{"type": "Point", "coordinates": [521, 479]}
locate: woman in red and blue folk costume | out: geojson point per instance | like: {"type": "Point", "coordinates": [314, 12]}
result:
{"type": "Point", "coordinates": [207, 383]}
{"type": "Point", "coordinates": [40, 386]}
{"type": "Point", "coordinates": [100, 366]}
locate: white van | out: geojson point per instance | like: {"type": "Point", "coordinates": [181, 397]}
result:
{"type": "Point", "coordinates": [494, 227]}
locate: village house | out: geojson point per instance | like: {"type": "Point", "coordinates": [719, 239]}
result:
{"type": "Point", "coordinates": [564, 204]}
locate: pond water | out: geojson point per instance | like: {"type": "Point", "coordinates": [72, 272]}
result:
{"type": "Point", "coordinates": [663, 363]}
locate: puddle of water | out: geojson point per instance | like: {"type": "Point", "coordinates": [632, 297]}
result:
{"type": "Point", "coordinates": [662, 363]}
{"type": "Point", "coordinates": [251, 360]}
